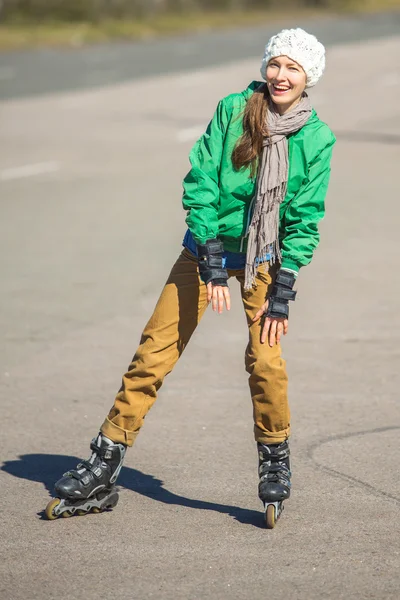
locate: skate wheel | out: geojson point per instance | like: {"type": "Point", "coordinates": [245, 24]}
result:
{"type": "Point", "coordinates": [270, 517]}
{"type": "Point", "coordinates": [80, 513]}
{"type": "Point", "coordinates": [49, 510]}
{"type": "Point", "coordinates": [66, 514]}
{"type": "Point", "coordinates": [95, 510]}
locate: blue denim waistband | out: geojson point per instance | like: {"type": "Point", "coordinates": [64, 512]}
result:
{"type": "Point", "coordinates": [230, 260]}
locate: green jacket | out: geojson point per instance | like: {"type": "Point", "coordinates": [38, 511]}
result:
{"type": "Point", "coordinates": [218, 198]}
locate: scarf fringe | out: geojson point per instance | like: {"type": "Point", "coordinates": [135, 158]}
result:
{"type": "Point", "coordinates": [251, 269]}
{"type": "Point", "coordinates": [264, 237]}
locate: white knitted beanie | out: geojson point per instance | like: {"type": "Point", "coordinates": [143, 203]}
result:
{"type": "Point", "coordinates": [300, 46]}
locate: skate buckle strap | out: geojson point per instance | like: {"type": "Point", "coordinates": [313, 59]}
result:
{"type": "Point", "coordinates": [103, 453]}
{"type": "Point", "coordinates": [94, 446]}
{"type": "Point", "coordinates": [85, 464]}
{"type": "Point", "coordinates": [276, 472]}
{"type": "Point", "coordinates": [84, 477]}
{"type": "Point", "coordinates": [76, 475]}
{"type": "Point", "coordinates": [273, 467]}
{"type": "Point", "coordinates": [274, 452]}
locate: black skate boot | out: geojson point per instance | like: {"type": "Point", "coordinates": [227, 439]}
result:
{"type": "Point", "coordinates": [91, 486]}
{"type": "Point", "coordinates": [274, 485]}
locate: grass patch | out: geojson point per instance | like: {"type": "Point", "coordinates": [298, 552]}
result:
{"type": "Point", "coordinates": [18, 35]}
{"type": "Point", "coordinates": [56, 33]}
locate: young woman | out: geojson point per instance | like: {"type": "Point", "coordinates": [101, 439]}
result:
{"type": "Point", "coordinates": [254, 197]}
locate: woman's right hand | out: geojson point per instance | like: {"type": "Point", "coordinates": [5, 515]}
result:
{"type": "Point", "coordinates": [218, 295]}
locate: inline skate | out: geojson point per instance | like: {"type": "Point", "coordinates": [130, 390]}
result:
{"type": "Point", "coordinates": [274, 485]}
{"type": "Point", "coordinates": [91, 486]}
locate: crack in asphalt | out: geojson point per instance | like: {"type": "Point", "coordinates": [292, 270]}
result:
{"type": "Point", "coordinates": [336, 473]}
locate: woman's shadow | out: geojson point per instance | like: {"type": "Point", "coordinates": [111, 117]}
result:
{"type": "Point", "coordinates": [47, 468]}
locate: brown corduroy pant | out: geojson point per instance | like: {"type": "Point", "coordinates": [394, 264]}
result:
{"type": "Point", "coordinates": [179, 309]}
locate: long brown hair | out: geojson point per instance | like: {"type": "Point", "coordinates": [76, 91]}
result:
{"type": "Point", "coordinates": [249, 147]}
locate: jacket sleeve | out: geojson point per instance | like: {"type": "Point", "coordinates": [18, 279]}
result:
{"type": "Point", "coordinates": [201, 184]}
{"type": "Point", "coordinates": [300, 233]}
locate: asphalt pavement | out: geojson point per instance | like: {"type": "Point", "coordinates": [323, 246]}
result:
{"type": "Point", "coordinates": [90, 224]}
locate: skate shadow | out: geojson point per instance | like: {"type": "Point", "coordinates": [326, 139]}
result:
{"type": "Point", "coordinates": [47, 468]}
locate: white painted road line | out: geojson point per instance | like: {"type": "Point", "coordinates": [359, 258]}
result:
{"type": "Point", "coordinates": [190, 134]}
{"type": "Point", "coordinates": [29, 170]}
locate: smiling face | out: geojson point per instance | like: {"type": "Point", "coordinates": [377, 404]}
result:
{"type": "Point", "coordinates": [286, 82]}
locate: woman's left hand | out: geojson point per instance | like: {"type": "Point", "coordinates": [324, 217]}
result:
{"type": "Point", "coordinates": [272, 328]}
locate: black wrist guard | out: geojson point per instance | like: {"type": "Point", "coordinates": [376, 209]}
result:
{"type": "Point", "coordinates": [210, 263]}
{"type": "Point", "coordinates": [282, 292]}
